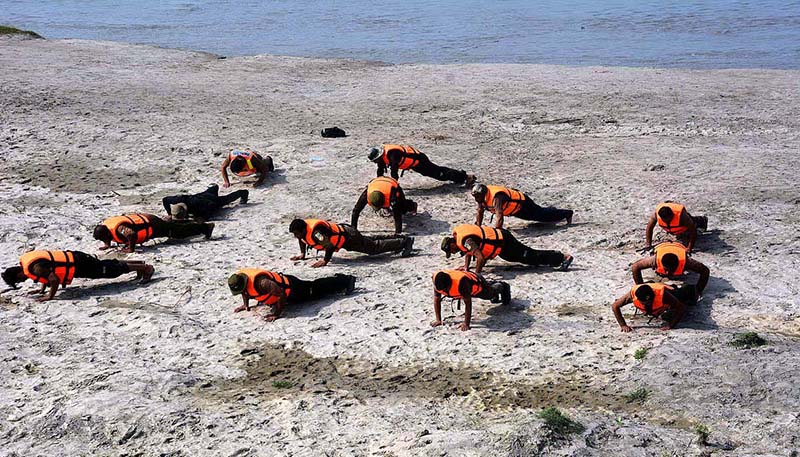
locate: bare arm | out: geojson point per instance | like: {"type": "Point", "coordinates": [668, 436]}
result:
{"type": "Point", "coordinates": [277, 308]}
{"type": "Point", "coordinates": [498, 210]}
{"type": "Point", "coordinates": [52, 281]}
{"type": "Point", "coordinates": [262, 165]}
{"type": "Point", "coordinates": [224, 170]}
{"type": "Point", "coordinates": [437, 309]}
{"type": "Point", "coordinates": [702, 270]}
{"type": "Point", "coordinates": [678, 309]}
{"type": "Point", "coordinates": [689, 222]}
{"type": "Point", "coordinates": [640, 265]}
{"type": "Point", "coordinates": [480, 260]}
{"type": "Point", "coordinates": [245, 303]}
{"type": "Point", "coordinates": [648, 235]}
{"type": "Point", "coordinates": [397, 211]}
{"type": "Point", "coordinates": [394, 164]}
{"type": "Point", "coordinates": [616, 307]}
{"type": "Point", "coordinates": [302, 255]}
{"type": "Point", "coordinates": [129, 235]}
{"type": "Point", "coordinates": [479, 217]}
{"type": "Point", "coordinates": [360, 205]}
{"type": "Point", "coordinates": [467, 313]}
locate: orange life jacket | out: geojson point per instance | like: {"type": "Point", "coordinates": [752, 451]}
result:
{"type": "Point", "coordinates": [386, 186]}
{"type": "Point", "coordinates": [658, 302]}
{"type": "Point", "coordinates": [456, 277]}
{"type": "Point", "coordinates": [674, 227]}
{"type": "Point", "coordinates": [490, 238]}
{"type": "Point", "coordinates": [510, 207]}
{"type": "Point", "coordinates": [338, 234]}
{"type": "Point", "coordinates": [137, 222]}
{"type": "Point", "coordinates": [62, 264]}
{"type": "Point", "coordinates": [409, 155]}
{"type": "Point", "coordinates": [248, 156]}
{"type": "Point", "coordinates": [267, 299]}
{"type": "Point", "coordinates": [670, 248]}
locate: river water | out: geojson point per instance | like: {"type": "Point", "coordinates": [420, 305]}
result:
{"type": "Point", "coordinates": [640, 33]}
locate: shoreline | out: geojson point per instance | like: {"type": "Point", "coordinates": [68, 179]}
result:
{"type": "Point", "coordinates": [102, 128]}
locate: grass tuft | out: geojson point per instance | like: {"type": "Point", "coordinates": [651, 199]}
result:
{"type": "Point", "coordinates": [748, 340]}
{"type": "Point", "coordinates": [558, 422]}
{"type": "Point", "coordinates": [638, 396]}
{"type": "Point", "coordinates": [282, 384]}
{"type": "Point", "coordinates": [640, 353]}
{"type": "Point", "coordinates": [702, 433]}
{"type": "Point", "coordinates": [6, 30]}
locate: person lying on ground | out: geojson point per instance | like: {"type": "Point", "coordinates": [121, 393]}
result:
{"type": "Point", "coordinates": [463, 285]}
{"type": "Point", "coordinates": [329, 237]}
{"type": "Point", "coordinates": [384, 194]}
{"type": "Point", "coordinates": [401, 157]}
{"type": "Point", "coordinates": [51, 268]}
{"type": "Point", "coordinates": [202, 206]}
{"type": "Point", "coordinates": [246, 162]}
{"type": "Point", "coordinates": [277, 290]}
{"type": "Point", "coordinates": [485, 243]}
{"type": "Point", "coordinates": [504, 201]}
{"type": "Point", "coordinates": [133, 229]}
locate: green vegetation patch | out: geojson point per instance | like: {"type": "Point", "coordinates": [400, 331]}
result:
{"type": "Point", "coordinates": [281, 384]}
{"type": "Point", "coordinates": [638, 396]}
{"type": "Point", "coordinates": [559, 423]}
{"type": "Point", "coordinates": [6, 30]}
{"type": "Point", "coordinates": [640, 353]}
{"type": "Point", "coordinates": [702, 433]}
{"type": "Point", "coordinates": [748, 340]}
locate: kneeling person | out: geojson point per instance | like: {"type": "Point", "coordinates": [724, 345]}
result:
{"type": "Point", "coordinates": [133, 229]}
{"type": "Point", "coordinates": [52, 268]}
{"type": "Point", "coordinates": [245, 163]}
{"type": "Point", "coordinates": [671, 260]}
{"type": "Point", "coordinates": [504, 201]}
{"type": "Point", "coordinates": [329, 237]}
{"type": "Point", "coordinates": [464, 285]}
{"type": "Point", "coordinates": [485, 243]}
{"type": "Point", "coordinates": [384, 193]}
{"type": "Point", "coordinates": [653, 299]}
{"type": "Point", "coordinates": [277, 290]}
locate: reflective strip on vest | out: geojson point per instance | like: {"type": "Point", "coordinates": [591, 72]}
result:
{"type": "Point", "coordinates": [62, 264]}
{"type": "Point", "coordinates": [248, 157]}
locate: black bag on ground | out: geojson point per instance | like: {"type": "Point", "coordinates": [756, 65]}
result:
{"type": "Point", "coordinates": [333, 132]}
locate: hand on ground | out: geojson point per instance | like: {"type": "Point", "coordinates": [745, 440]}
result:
{"type": "Point", "coordinates": [463, 327]}
{"type": "Point", "coordinates": [625, 329]}
{"type": "Point", "coordinates": [298, 257]}
{"type": "Point", "coordinates": [270, 317]}
{"type": "Point", "coordinates": [436, 323]}
{"type": "Point", "coordinates": [319, 263]}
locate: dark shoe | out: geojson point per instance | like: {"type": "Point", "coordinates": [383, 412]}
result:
{"type": "Point", "coordinates": [208, 229]}
{"type": "Point", "coordinates": [505, 294]}
{"type": "Point", "coordinates": [569, 218]}
{"type": "Point", "coordinates": [408, 246]}
{"type": "Point", "coordinates": [566, 263]}
{"type": "Point", "coordinates": [351, 285]}
{"type": "Point", "coordinates": [470, 181]}
{"type": "Point", "coordinates": [244, 198]}
{"type": "Point", "coordinates": [702, 223]}
{"type": "Point", "coordinates": [148, 274]}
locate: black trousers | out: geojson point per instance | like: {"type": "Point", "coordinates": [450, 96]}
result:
{"type": "Point", "coordinates": [178, 230]}
{"type": "Point", "coordinates": [514, 251]}
{"type": "Point", "coordinates": [427, 168]}
{"type": "Point", "coordinates": [372, 245]}
{"type": "Point", "coordinates": [314, 290]}
{"type": "Point", "coordinates": [530, 211]}
{"type": "Point", "coordinates": [90, 267]}
{"type": "Point", "coordinates": [206, 203]}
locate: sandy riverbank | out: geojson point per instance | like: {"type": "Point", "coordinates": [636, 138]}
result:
{"type": "Point", "coordinates": [91, 129]}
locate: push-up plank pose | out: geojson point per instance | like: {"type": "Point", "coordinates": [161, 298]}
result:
{"type": "Point", "coordinates": [675, 220]}
{"type": "Point", "coordinates": [401, 157]}
{"type": "Point", "coordinates": [246, 162]}
{"type": "Point", "coordinates": [384, 193]}
{"type": "Point", "coordinates": [504, 201]}
{"type": "Point", "coordinates": [133, 229]}
{"type": "Point", "coordinates": [464, 285]}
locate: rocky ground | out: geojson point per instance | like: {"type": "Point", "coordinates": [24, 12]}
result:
{"type": "Point", "coordinates": [91, 129]}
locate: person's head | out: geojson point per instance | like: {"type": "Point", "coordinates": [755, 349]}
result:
{"type": "Point", "coordinates": [479, 192]}
{"type": "Point", "coordinates": [442, 281]}
{"type": "Point", "coordinates": [102, 233]}
{"type": "Point", "coordinates": [375, 199]}
{"type": "Point", "coordinates": [298, 228]}
{"type": "Point", "coordinates": [449, 246]}
{"type": "Point", "coordinates": [13, 275]}
{"type": "Point", "coordinates": [238, 164]}
{"type": "Point", "coordinates": [179, 210]}
{"type": "Point", "coordinates": [665, 213]}
{"type": "Point", "coordinates": [375, 153]}
{"type": "Point", "coordinates": [646, 295]}
{"type": "Point", "coordinates": [237, 282]}
{"type": "Point", "coordinates": [670, 263]}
